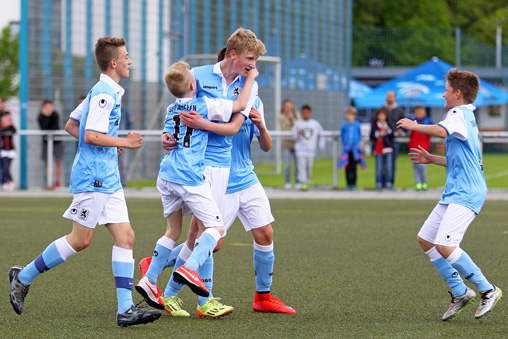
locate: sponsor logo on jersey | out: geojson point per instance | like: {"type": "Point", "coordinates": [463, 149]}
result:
{"type": "Point", "coordinates": [209, 87]}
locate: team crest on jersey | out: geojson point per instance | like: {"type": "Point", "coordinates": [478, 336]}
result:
{"type": "Point", "coordinates": [307, 132]}
{"type": "Point", "coordinates": [103, 103]}
{"type": "Point", "coordinates": [236, 91]}
{"type": "Point", "coordinates": [83, 214]}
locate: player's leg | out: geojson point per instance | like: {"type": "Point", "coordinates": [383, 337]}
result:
{"type": "Point", "coordinates": [455, 222]}
{"type": "Point", "coordinates": [461, 294]}
{"type": "Point", "coordinates": [84, 211]}
{"type": "Point", "coordinates": [255, 215]}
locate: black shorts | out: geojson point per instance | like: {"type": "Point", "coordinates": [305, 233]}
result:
{"type": "Point", "coordinates": [58, 149]}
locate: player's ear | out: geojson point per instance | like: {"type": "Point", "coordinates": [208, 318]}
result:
{"type": "Point", "coordinates": [112, 63]}
{"type": "Point", "coordinates": [232, 54]}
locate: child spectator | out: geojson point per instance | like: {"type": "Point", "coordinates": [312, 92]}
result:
{"type": "Point", "coordinates": [305, 134]}
{"type": "Point", "coordinates": [351, 136]}
{"type": "Point", "coordinates": [419, 139]}
{"type": "Point", "coordinates": [381, 135]}
{"type": "Point", "coordinates": [287, 118]}
{"type": "Point", "coordinates": [49, 119]}
{"type": "Point", "coordinates": [7, 152]}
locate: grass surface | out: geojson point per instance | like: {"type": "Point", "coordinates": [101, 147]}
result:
{"type": "Point", "coordinates": [351, 269]}
{"type": "Point", "coordinates": [495, 167]}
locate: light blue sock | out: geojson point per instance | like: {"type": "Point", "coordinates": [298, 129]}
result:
{"type": "Point", "coordinates": [123, 271]}
{"type": "Point", "coordinates": [205, 271]}
{"type": "Point", "coordinates": [471, 272]}
{"type": "Point", "coordinates": [160, 256]}
{"type": "Point", "coordinates": [263, 267]}
{"type": "Point", "coordinates": [203, 248]}
{"type": "Point", "coordinates": [173, 256]}
{"type": "Point", "coordinates": [451, 276]}
{"type": "Point", "coordinates": [48, 259]}
{"type": "Point", "coordinates": [173, 287]}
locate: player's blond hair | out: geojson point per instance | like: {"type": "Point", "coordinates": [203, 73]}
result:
{"type": "Point", "coordinates": [178, 78]}
{"type": "Point", "coordinates": [244, 40]}
{"type": "Point", "coordinates": [106, 49]}
{"type": "Point", "coordinates": [468, 83]}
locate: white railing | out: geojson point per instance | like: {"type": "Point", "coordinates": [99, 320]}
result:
{"type": "Point", "coordinates": [154, 135]}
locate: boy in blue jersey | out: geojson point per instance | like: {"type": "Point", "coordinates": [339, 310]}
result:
{"type": "Point", "coordinates": [181, 181]}
{"type": "Point", "coordinates": [463, 196]}
{"type": "Point", "coordinates": [98, 194]}
{"type": "Point", "coordinates": [225, 79]}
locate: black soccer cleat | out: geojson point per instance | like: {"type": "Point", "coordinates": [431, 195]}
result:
{"type": "Point", "coordinates": [18, 289]}
{"type": "Point", "coordinates": [135, 316]}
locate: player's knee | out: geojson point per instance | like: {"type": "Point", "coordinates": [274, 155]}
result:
{"type": "Point", "coordinates": [425, 245]}
{"type": "Point", "coordinates": [263, 235]}
{"type": "Point", "coordinates": [219, 245]}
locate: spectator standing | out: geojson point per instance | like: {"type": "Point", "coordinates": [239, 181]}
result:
{"type": "Point", "coordinates": [287, 118]}
{"type": "Point", "coordinates": [351, 136]}
{"type": "Point", "coordinates": [7, 151]}
{"type": "Point", "coordinates": [395, 113]}
{"type": "Point", "coordinates": [3, 109]}
{"type": "Point", "coordinates": [49, 120]}
{"type": "Point", "coordinates": [420, 139]}
{"type": "Point", "coordinates": [305, 134]}
{"type": "Point", "coordinates": [381, 135]}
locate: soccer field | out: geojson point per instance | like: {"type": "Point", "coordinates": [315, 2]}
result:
{"type": "Point", "coordinates": [351, 269]}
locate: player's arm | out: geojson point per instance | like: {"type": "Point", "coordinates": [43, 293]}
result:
{"type": "Point", "coordinates": [264, 138]}
{"type": "Point", "coordinates": [168, 142]}
{"type": "Point", "coordinates": [432, 130]}
{"type": "Point", "coordinates": [195, 120]}
{"type": "Point", "coordinates": [133, 139]}
{"type": "Point", "coordinates": [242, 101]}
{"type": "Point", "coordinates": [421, 156]}
{"type": "Point", "coordinates": [72, 127]}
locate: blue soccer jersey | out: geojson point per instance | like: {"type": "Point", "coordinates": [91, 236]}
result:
{"type": "Point", "coordinates": [242, 175]}
{"type": "Point", "coordinates": [211, 83]}
{"type": "Point", "coordinates": [465, 182]}
{"type": "Point", "coordinates": [185, 165]}
{"type": "Point", "coordinates": [95, 168]}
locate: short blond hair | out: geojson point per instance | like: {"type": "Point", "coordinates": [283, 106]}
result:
{"type": "Point", "coordinates": [351, 110]}
{"type": "Point", "coordinates": [244, 40]}
{"type": "Point", "coordinates": [178, 78]}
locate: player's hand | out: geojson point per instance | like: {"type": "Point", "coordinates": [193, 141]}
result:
{"type": "Point", "coordinates": [255, 116]}
{"type": "Point", "coordinates": [168, 142]}
{"type": "Point", "coordinates": [134, 140]}
{"type": "Point", "coordinates": [419, 155]}
{"type": "Point", "coordinates": [119, 150]}
{"type": "Point", "coordinates": [407, 124]}
{"type": "Point", "coordinates": [253, 73]}
{"type": "Point", "coordinates": [192, 119]}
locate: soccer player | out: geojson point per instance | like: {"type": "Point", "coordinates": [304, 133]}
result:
{"type": "Point", "coordinates": [246, 198]}
{"type": "Point", "coordinates": [225, 79]}
{"type": "Point", "coordinates": [463, 196]}
{"type": "Point", "coordinates": [181, 180]}
{"type": "Point", "coordinates": [98, 194]}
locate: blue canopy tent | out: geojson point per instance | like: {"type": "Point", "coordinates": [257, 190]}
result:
{"type": "Point", "coordinates": [358, 89]}
{"type": "Point", "coordinates": [424, 85]}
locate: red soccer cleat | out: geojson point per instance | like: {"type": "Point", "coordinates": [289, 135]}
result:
{"type": "Point", "coordinates": [144, 264]}
{"type": "Point", "coordinates": [183, 275]}
{"type": "Point", "coordinates": [264, 302]}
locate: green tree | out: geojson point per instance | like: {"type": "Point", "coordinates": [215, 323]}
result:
{"type": "Point", "coordinates": [8, 63]}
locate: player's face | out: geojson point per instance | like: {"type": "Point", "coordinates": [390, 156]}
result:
{"type": "Point", "coordinates": [244, 62]}
{"type": "Point", "coordinates": [449, 96]}
{"type": "Point", "coordinates": [123, 62]}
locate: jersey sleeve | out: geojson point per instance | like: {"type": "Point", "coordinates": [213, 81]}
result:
{"type": "Point", "coordinates": [219, 109]}
{"type": "Point", "coordinates": [78, 111]}
{"type": "Point", "coordinates": [261, 110]}
{"type": "Point", "coordinates": [455, 124]}
{"type": "Point", "coordinates": [252, 98]}
{"type": "Point", "coordinates": [101, 106]}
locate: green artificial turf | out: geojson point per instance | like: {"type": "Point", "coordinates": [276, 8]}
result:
{"type": "Point", "coordinates": [351, 269]}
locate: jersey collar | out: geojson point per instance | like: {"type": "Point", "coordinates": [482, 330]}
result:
{"type": "Point", "coordinates": [116, 87]}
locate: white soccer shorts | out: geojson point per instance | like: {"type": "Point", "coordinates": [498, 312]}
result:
{"type": "Point", "coordinates": [217, 179]}
{"type": "Point", "coordinates": [94, 208]}
{"type": "Point", "coordinates": [251, 205]}
{"type": "Point", "coordinates": [198, 199]}
{"type": "Point", "coordinates": [447, 224]}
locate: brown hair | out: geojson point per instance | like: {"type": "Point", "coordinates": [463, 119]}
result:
{"type": "Point", "coordinates": [351, 110]}
{"type": "Point", "coordinates": [244, 40]}
{"type": "Point", "coordinates": [178, 78]}
{"type": "Point", "coordinates": [468, 83]}
{"type": "Point", "coordinates": [382, 110]}
{"type": "Point", "coordinates": [106, 49]}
